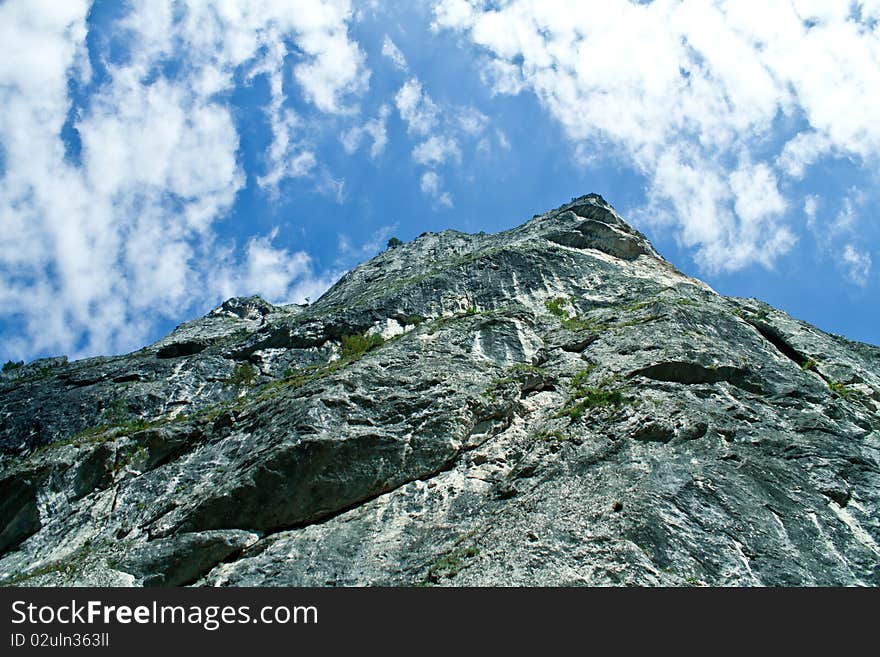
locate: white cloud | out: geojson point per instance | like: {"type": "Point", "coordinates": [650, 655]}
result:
{"type": "Point", "coordinates": [286, 157]}
{"type": "Point", "coordinates": [94, 252]}
{"type": "Point", "coordinates": [803, 150]}
{"type": "Point", "coordinates": [845, 219]}
{"type": "Point", "coordinates": [835, 227]}
{"type": "Point", "coordinates": [756, 193]}
{"type": "Point", "coordinates": [472, 121]}
{"type": "Point", "coordinates": [336, 67]}
{"type": "Point", "coordinates": [416, 108]}
{"type": "Point", "coordinates": [857, 264]}
{"type": "Point", "coordinates": [271, 270]}
{"type": "Point", "coordinates": [835, 232]}
{"type": "Point", "coordinates": [728, 217]}
{"type": "Point", "coordinates": [432, 185]}
{"type": "Point", "coordinates": [502, 77]}
{"type": "Point", "coordinates": [689, 94]}
{"type": "Point", "coordinates": [327, 184]}
{"type": "Point", "coordinates": [436, 151]}
{"type": "Point", "coordinates": [332, 68]}
{"type": "Point", "coordinates": [443, 130]}
{"type": "Point", "coordinates": [423, 117]}
{"type": "Point", "coordinates": [392, 52]}
{"type": "Point", "coordinates": [811, 206]}
{"type": "Point", "coordinates": [279, 274]}
{"type": "Point", "coordinates": [374, 128]}
{"type": "Point", "coordinates": [870, 9]}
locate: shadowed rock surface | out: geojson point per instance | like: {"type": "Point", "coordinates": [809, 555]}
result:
{"type": "Point", "coordinates": [551, 405]}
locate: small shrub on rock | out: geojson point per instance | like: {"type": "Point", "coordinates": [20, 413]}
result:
{"type": "Point", "coordinates": [244, 374]}
{"type": "Point", "coordinates": [354, 346]}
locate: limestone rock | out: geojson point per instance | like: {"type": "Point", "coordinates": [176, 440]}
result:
{"type": "Point", "coordinates": [551, 405]}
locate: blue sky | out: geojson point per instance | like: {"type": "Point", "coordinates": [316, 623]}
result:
{"type": "Point", "coordinates": [158, 157]}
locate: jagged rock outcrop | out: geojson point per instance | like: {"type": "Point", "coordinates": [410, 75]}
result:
{"type": "Point", "coordinates": [551, 405]}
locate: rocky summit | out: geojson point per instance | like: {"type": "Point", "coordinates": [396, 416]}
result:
{"type": "Point", "coordinates": [551, 405]}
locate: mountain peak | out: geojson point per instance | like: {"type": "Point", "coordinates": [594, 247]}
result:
{"type": "Point", "coordinates": [435, 274]}
{"type": "Point", "coordinates": [590, 222]}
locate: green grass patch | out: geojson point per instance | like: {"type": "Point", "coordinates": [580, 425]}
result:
{"type": "Point", "coordinates": [449, 565]}
{"type": "Point", "coordinates": [585, 396]}
{"type": "Point", "coordinates": [243, 375]}
{"type": "Point", "coordinates": [355, 346]}
{"type": "Point", "coordinates": [594, 397]}
{"type": "Point", "coordinates": [638, 305]}
{"type": "Point", "coordinates": [555, 306]}
{"type": "Point", "coordinates": [842, 390]}
{"type": "Point", "coordinates": [751, 315]}
{"type": "Point", "coordinates": [579, 380]}
{"type": "Point", "coordinates": [299, 378]}
{"type": "Point", "coordinates": [110, 430]}
{"type": "Point", "coordinates": [99, 433]}
{"type": "Point", "coordinates": [550, 436]}
{"type": "Point", "coordinates": [634, 322]}
{"type": "Point", "coordinates": [126, 459]}
{"type": "Point", "coordinates": [573, 322]}
{"type": "Point", "coordinates": [117, 412]}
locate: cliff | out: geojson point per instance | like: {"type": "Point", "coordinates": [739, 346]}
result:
{"type": "Point", "coordinates": [551, 405]}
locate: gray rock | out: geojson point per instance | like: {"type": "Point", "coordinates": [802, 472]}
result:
{"type": "Point", "coordinates": [182, 558]}
{"type": "Point", "coordinates": [552, 405]}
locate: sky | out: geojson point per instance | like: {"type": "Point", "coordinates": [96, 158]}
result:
{"type": "Point", "coordinates": [158, 157]}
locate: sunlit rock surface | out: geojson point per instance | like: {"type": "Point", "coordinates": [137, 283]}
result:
{"type": "Point", "coordinates": [551, 405]}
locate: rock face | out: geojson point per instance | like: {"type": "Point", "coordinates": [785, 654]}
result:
{"type": "Point", "coordinates": [551, 405]}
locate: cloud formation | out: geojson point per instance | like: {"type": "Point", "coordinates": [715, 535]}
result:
{"type": "Point", "coordinates": [375, 129]}
{"type": "Point", "coordinates": [416, 108]}
{"type": "Point", "coordinates": [436, 150]}
{"type": "Point", "coordinates": [432, 185]}
{"type": "Point", "coordinates": [718, 104]}
{"type": "Point", "coordinates": [442, 130]}
{"type": "Point", "coordinates": [98, 245]}
{"type": "Point", "coordinates": [392, 52]}
{"type": "Point", "coordinates": [857, 263]}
